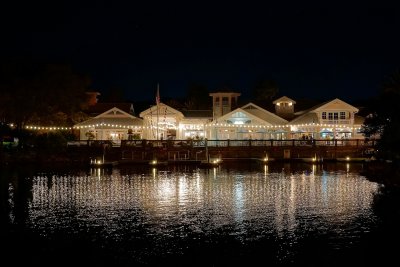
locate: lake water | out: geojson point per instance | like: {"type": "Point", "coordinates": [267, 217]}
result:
{"type": "Point", "coordinates": [239, 214]}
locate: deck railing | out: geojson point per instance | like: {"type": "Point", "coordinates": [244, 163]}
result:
{"type": "Point", "coordinates": [224, 143]}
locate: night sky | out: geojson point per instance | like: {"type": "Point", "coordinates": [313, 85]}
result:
{"type": "Point", "coordinates": [319, 50]}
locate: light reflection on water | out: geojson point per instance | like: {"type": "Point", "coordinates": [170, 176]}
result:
{"type": "Point", "coordinates": [150, 215]}
{"type": "Point", "coordinates": [156, 213]}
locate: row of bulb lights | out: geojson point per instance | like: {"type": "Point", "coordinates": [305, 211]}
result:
{"type": "Point", "coordinates": [30, 127]}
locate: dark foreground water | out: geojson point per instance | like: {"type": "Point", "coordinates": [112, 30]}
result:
{"type": "Point", "coordinates": [240, 214]}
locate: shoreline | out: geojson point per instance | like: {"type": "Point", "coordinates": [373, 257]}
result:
{"type": "Point", "coordinates": [380, 171]}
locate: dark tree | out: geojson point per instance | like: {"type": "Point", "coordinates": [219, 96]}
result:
{"type": "Point", "coordinates": [384, 118]}
{"type": "Point", "coordinates": [174, 103]}
{"type": "Point", "coordinates": [16, 88]}
{"type": "Point", "coordinates": [114, 95]}
{"type": "Point", "coordinates": [198, 97]}
{"type": "Point", "coordinates": [265, 91]}
{"type": "Point", "coordinates": [46, 94]}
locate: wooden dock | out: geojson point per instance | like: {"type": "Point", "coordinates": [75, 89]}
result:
{"type": "Point", "coordinates": [205, 153]}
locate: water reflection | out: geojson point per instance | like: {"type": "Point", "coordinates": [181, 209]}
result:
{"type": "Point", "coordinates": [172, 212]}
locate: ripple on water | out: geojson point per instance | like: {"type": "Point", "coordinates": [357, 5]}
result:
{"type": "Point", "coordinates": [165, 215]}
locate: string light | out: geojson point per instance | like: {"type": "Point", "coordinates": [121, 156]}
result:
{"type": "Point", "coordinates": [189, 127]}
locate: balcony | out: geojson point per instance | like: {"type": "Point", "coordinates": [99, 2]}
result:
{"type": "Point", "coordinates": [339, 122]}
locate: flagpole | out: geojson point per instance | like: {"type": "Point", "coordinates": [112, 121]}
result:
{"type": "Point", "coordinates": [157, 102]}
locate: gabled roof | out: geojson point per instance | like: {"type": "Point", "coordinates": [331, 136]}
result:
{"type": "Point", "coordinates": [231, 114]}
{"type": "Point", "coordinates": [257, 113]}
{"type": "Point", "coordinates": [310, 115]}
{"type": "Point", "coordinates": [162, 109]}
{"type": "Point", "coordinates": [113, 116]}
{"type": "Point", "coordinates": [302, 112]}
{"type": "Point", "coordinates": [264, 114]}
{"type": "Point", "coordinates": [284, 99]}
{"type": "Point", "coordinates": [336, 104]}
{"type": "Point", "coordinates": [115, 113]}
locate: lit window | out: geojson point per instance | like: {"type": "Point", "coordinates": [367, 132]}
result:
{"type": "Point", "coordinates": [335, 116]}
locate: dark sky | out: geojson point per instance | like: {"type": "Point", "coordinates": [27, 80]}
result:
{"type": "Point", "coordinates": [316, 50]}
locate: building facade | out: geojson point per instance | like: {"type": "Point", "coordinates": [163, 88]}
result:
{"type": "Point", "coordinates": [333, 119]}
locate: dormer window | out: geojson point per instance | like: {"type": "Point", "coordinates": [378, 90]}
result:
{"type": "Point", "coordinates": [284, 104]}
{"type": "Point", "coordinates": [284, 107]}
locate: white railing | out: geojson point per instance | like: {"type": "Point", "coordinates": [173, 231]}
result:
{"type": "Point", "coordinates": [336, 122]}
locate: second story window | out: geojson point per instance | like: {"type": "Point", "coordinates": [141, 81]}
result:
{"type": "Point", "coordinates": [335, 116]}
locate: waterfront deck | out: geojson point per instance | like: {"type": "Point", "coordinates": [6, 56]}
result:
{"type": "Point", "coordinates": [207, 151]}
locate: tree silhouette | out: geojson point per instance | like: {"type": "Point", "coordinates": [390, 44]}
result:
{"type": "Point", "coordinates": [384, 118]}
{"type": "Point", "coordinates": [197, 97]}
{"type": "Point", "coordinates": [265, 91]}
{"type": "Point", "coordinates": [46, 94]}
{"type": "Point", "coordinates": [114, 95]}
{"type": "Point", "coordinates": [173, 103]}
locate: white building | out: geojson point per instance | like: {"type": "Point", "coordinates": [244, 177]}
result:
{"type": "Point", "coordinates": [333, 119]}
{"type": "Point", "coordinates": [114, 124]}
